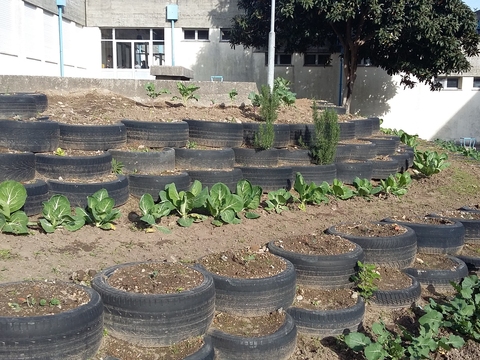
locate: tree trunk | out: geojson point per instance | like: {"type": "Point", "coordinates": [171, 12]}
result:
{"type": "Point", "coordinates": [350, 71]}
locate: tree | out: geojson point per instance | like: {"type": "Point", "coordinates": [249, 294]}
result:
{"type": "Point", "coordinates": [417, 39]}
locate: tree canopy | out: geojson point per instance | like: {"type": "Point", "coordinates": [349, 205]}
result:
{"type": "Point", "coordinates": [417, 39]}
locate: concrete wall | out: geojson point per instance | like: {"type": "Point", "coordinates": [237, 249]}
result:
{"type": "Point", "coordinates": [191, 13]}
{"type": "Point", "coordinates": [135, 89]}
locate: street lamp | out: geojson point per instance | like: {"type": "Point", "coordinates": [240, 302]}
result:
{"type": "Point", "coordinates": [271, 47]}
{"type": "Point", "coordinates": [60, 5]}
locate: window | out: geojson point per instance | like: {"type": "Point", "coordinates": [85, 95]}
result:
{"type": "Point", "coordinates": [225, 34]}
{"type": "Point", "coordinates": [450, 82]}
{"type": "Point", "coordinates": [280, 59]}
{"type": "Point", "coordinates": [364, 62]}
{"type": "Point", "coordinates": [132, 48]}
{"type": "Point", "coordinates": [476, 82]}
{"type": "Point", "coordinates": [316, 60]}
{"type": "Point", "coordinates": [195, 34]}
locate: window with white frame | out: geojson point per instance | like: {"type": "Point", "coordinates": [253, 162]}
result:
{"type": "Point", "coordinates": [280, 59]}
{"type": "Point", "coordinates": [225, 34]}
{"type": "Point", "coordinates": [317, 59]}
{"type": "Point", "coordinates": [195, 34]}
{"type": "Point", "coordinates": [450, 82]}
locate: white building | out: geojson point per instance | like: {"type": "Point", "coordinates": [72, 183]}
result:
{"type": "Point", "coordinates": [121, 39]}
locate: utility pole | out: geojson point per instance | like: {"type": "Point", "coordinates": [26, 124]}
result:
{"type": "Point", "coordinates": [60, 5]}
{"type": "Point", "coordinates": [271, 47]}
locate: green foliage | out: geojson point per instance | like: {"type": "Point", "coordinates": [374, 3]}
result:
{"type": "Point", "coordinates": [365, 279]}
{"type": "Point", "coordinates": [407, 139]}
{"type": "Point", "coordinates": [60, 152]}
{"type": "Point", "coordinates": [251, 196]}
{"type": "Point", "coordinates": [100, 210]}
{"type": "Point", "coordinates": [277, 200]}
{"type": "Point", "coordinates": [440, 35]}
{"type": "Point", "coordinates": [310, 193]}
{"type": "Point", "coordinates": [365, 188]}
{"type": "Point", "coordinates": [327, 133]}
{"type": "Point", "coordinates": [57, 213]}
{"type": "Point", "coordinates": [117, 166]}
{"type": "Point", "coordinates": [462, 313]}
{"type": "Point", "coordinates": [187, 92]}
{"type": "Point", "coordinates": [184, 202]}
{"type": "Point", "coordinates": [233, 94]}
{"type": "Point", "coordinates": [152, 212]}
{"type": "Point", "coordinates": [223, 205]}
{"type": "Point", "coordinates": [396, 184]}
{"type": "Point", "coordinates": [152, 92]}
{"type": "Point", "coordinates": [12, 199]}
{"type": "Point", "coordinates": [281, 90]}
{"type": "Point", "coordinates": [268, 111]}
{"type": "Point", "coordinates": [340, 190]}
{"type": "Point", "coordinates": [386, 346]}
{"type": "Point", "coordinates": [430, 162]}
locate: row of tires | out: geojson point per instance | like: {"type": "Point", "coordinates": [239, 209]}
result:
{"type": "Point", "coordinates": [44, 135]}
{"type": "Point", "coordinates": [170, 318]}
{"type": "Point", "coordinates": [269, 179]}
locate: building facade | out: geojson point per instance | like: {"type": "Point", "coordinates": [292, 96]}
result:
{"type": "Point", "coordinates": [121, 39]}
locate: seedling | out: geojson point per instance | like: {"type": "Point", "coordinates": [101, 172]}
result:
{"type": "Point", "coordinates": [151, 91]}
{"type": "Point", "coordinates": [277, 200]}
{"type": "Point", "coordinates": [251, 196]}
{"type": "Point", "coordinates": [187, 92]}
{"type": "Point", "coordinates": [340, 190]}
{"type": "Point", "coordinates": [430, 162]}
{"type": "Point", "coordinates": [223, 205]}
{"type": "Point", "coordinates": [152, 212]}
{"type": "Point", "coordinates": [232, 95]}
{"type": "Point", "coordinates": [99, 210]}
{"type": "Point", "coordinates": [117, 166]}
{"type": "Point", "coordinates": [396, 184]}
{"type": "Point", "coordinates": [60, 152]}
{"type": "Point", "coordinates": [311, 193]}
{"type": "Point", "coordinates": [365, 279]}
{"type": "Point", "coordinates": [364, 187]}
{"type": "Point", "coordinates": [57, 213]}
{"type": "Point", "coordinates": [12, 199]}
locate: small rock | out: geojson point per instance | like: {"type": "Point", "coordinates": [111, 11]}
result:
{"type": "Point", "coordinates": [299, 297]}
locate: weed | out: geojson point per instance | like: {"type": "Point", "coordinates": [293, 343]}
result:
{"type": "Point", "coordinates": [59, 152]}
{"type": "Point", "coordinates": [117, 166]}
{"type": "Point", "coordinates": [151, 91]}
{"type": "Point", "coordinates": [5, 254]}
{"type": "Point", "coordinates": [365, 279]}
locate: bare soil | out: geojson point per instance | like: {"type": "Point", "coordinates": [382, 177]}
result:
{"type": "Point", "coordinates": [76, 256]}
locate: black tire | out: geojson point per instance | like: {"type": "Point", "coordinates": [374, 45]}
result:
{"type": "Point", "coordinates": [77, 192]}
{"type": "Point", "coordinates": [436, 239]}
{"type": "Point", "coordinates": [254, 157]}
{"type": "Point", "coordinates": [472, 226]}
{"type": "Point", "coordinates": [17, 166]}
{"type": "Point", "coordinates": [214, 133]}
{"type": "Point", "coordinates": [410, 154]}
{"type": "Point", "coordinates": [399, 297]}
{"type": "Point", "coordinates": [317, 173]}
{"type": "Point", "coordinates": [37, 193]}
{"type": "Point", "coordinates": [363, 127]}
{"type": "Point", "coordinates": [76, 167]}
{"type": "Point", "coordinates": [440, 279]}
{"type": "Point", "coordinates": [269, 179]}
{"type": "Point", "coordinates": [397, 252]}
{"type": "Point", "coordinates": [157, 134]}
{"type": "Point", "coordinates": [254, 297]}
{"type": "Point", "coordinates": [152, 184]}
{"type": "Point", "coordinates": [298, 157]}
{"type": "Point", "coordinates": [325, 271]}
{"type": "Point", "coordinates": [360, 152]}
{"type": "Point", "coordinates": [348, 171]}
{"type": "Point", "coordinates": [73, 334]}
{"type": "Point", "coordinates": [279, 345]}
{"type": "Point", "coordinates": [347, 130]}
{"type": "Point", "coordinates": [145, 162]}
{"type": "Point", "coordinates": [302, 134]}
{"type": "Point", "coordinates": [92, 137]}
{"type": "Point", "coordinates": [211, 177]}
{"type": "Point", "coordinates": [382, 169]}
{"type": "Point", "coordinates": [342, 153]}
{"type": "Point", "coordinates": [281, 134]}
{"type": "Point", "coordinates": [21, 105]}
{"type": "Point", "coordinates": [41, 100]}
{"type": "Point", "coordinates": [156, 319]}
{"type": "Point", "coordinates": [203, 159]}
{"type": "Point", "coordinates": [376, 122]}
{"type": "Point", "coordinates": [33, 136]}
{"type": "Point", "coordinates": [206, 352]}
{"type": "Point", "coordinates": [325, 323]}
{"type": "Point", "coordinates": [473, 263]}
{"type": "Point", "coordinates": [385, 145]}
{"type": "Point", "coordinates": [402, 159]}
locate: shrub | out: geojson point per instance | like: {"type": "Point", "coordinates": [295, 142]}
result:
{"type": "Point", "coordinates": [327, 133]}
